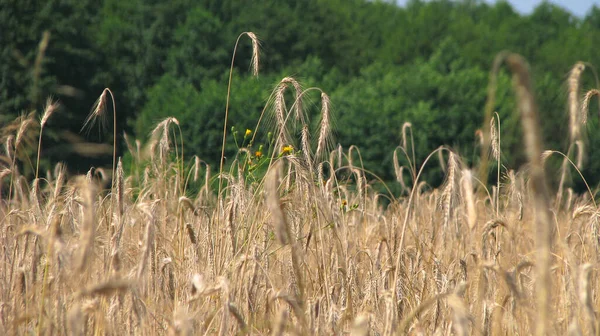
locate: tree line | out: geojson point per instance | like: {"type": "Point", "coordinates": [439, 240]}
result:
{"type": "Point", "coordinates": [427, 63]}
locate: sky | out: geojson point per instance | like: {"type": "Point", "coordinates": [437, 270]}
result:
{"type": "Point", "coordinates": [577, 7]}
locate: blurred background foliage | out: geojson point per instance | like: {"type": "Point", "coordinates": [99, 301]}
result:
{"type": "Point", "coordinates": [382, 65]}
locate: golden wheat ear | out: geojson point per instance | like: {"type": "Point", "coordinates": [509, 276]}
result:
{"type": "Point", "coordinates": [51, 107]}
{"type": "Point", "coordinates": [574, 82]}
{"type": "Point", "coordinates": [97, 115]}
{"type": "Point", "coordinates": [255, 61]}
{"type": "Point", "coordinates": [586, 104]}
{"type": "Point", "coordinates": [325, 127]}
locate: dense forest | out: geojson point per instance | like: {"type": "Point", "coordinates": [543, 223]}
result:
{"type": "Point", "coordinates": [381, 65]}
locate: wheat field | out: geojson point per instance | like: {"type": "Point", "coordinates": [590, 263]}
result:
{"type": "Point", "coordinates": [308, 248]}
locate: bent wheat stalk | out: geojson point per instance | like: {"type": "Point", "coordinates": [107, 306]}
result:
{"type": "Point", "coordinates": [533, 146]}
{"type": "Point", "coordinates": [255, 65]}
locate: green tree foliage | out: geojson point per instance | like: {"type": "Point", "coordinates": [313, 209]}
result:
{"type": "Point", "coordinates": [441, 98]}
{"type": "Point", "coordinates": [427, 63]}
{"type": "Point", "coordinates": [48, 50]}
{"type": "Point", "coordinates": [201, 113]}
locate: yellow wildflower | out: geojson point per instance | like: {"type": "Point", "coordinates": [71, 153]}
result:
{"type": "Point", "coordinates": [258, 154]}
{"type": "Point", "coordinates": [287, 149]}
{"type": "Point", "coordinates": [248, 133]}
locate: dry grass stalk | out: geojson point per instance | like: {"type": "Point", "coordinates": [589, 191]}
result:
{"type": "Point", "coordinates": [274, 204]}
{"type": "Point", "coordinates": [461, 313]}
{"type": "Point", "coordinates": [467, 188]}
{"type": "Point", "coordinates": [224, 287]}
{"type": "Point", "coordinates": [197, 162]}
{"type": "Point", "coordinates": [34, 195]}
{"type": "Point", "coordinates": [586, 103]}
{"type": "Point", "coordinates": [360, 326]}
{"type": "Point", "coordinates": [442, 161]}
{"type": "Point", "coordinates": [24, 124]}
{"type": "Point", "coordinates": [4, 172]}
{"type": "Point", "coordinates": [325, 126]}
{"type": "Point", "coordinates": [134, 151]}
{"type": "Point", "coordinates": [405, 127]}
{"type": "Point", "coordinates": [489, 108]}
{"type": "Point", "coordinates": [580, 150]}
{"type": "Point", "coordinates": [187, 203]}
{"type": "Point", "coordinates": [120, 191]}
{"type": "Point", "coordinates": [59, 173]}
{"type": "Point", "coordinates": [231, 230]}
{"type": "Point", "coordinates": [299, 112]}
{"type": "Point", "coordinates": [586, 297]}
{"type": "Point", "coordinates": [255, 61]}
{"type": "Point", "coordinates": [191, 234]}
{"type": "Point", "coordinates": [398, 170]}
{"type": "Point", "coordinates": [50, 108]}
{"type": "Point", "coordinates": [206, 187]}
{"type": "Point", "coordinates": [282, 228]}
{"type": "Point", "coordinates": [88, 193]}
{"type": "Point", "coordinates": [255, 67]}
{"type": "Point", "coordinates": [543, 222]}
{"type": "Point", "coordinates": [306, 151]}
{"type": "Point", "coordinates": [98, 112]}
{"type": "Point", "coordinates": [118, 226]}
{"type": "Point", "coordinates": [148, 242]}
{"type": "Point", "coordinates": [495, 140]}
{"type": "Point", "coordinates": [283, 137]}
{"type": "Point", "coordinates": [76, 320]}
{"type": "Point", "coordinates": [238, 317]}
{"type": "Point", "coordinates": [574, 112]}
{"type": "Point", "coordinates": [9, 147]}
{"type": "Point", "coordinates": [279, 328]}
{"type": "Point", "coordinates": [495, 137]}
{"type": "Point", "coordinates": [574, 329]}
{"type": "Point", "coordinates": [563, 174]}
{"type": "Point", "coordinates": [160, 136]}
{"type": "Point", "coordinates": [107, 288]}
{"type": "Point", "coordinates": [449, 189]}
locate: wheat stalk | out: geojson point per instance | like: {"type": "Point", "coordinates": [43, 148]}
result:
{"type": "Point", "coordinates": [88, 229]}
{"type": "Point", "coordinates": [533, 146]}
{"type": "Point", "coordinates": [449, 189]}
{"type": "Point", "coordinates": [586, 103]}
{"type": "Point", "coordinates": [255, 66]}
{"type": "Point", "coordinates": [282, 228]}
{"type": "Point", "coordinates": [467, 186]}
{"type": "Point", "coordinates": [325, 126]}
{"type": "Point", "coordinates": [274, 205]}
{"type": "Point", "coordinates": [574, 112]}
{"type": "Point", "coordinates": [585, 296]}
{"type": "Point", "coordinates": [495, 137]}
{"type": "Point", "coordinates": [148, 242]}
{"type": "Point", "coordinates": [119, 226]}
{"type": "Point", "coordinates": [51, 107]}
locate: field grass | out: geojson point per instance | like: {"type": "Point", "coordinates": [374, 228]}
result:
{"type": "Point", "coordinates": [307, 248]}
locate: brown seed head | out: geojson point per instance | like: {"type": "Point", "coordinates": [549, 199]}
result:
{"type": "Point", "coordinates": [98, 113]}
{"type": "Point", "coordinates": [325, 127]}
{"type": "Point", "coordinates": [586, 103]}
{"type": "Point", "coordinates": [51, 107]}
{"type": "Point", "coordinates": [255, 52]}
{"type": "Point", "coordinates": [574, 81]}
